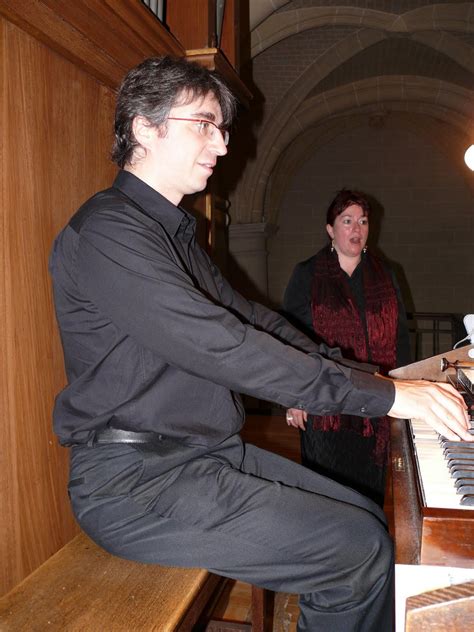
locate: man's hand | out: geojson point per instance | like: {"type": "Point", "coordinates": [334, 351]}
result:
{"type": "Point", "coordinates": [436, 403]}
{"type": "Point", "coordinates": [296, 418]}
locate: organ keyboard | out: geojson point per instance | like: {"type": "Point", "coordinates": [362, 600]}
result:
{"type": "Point", "coordinates": [431, 515]}
{"type": "Point", "coordinates": [438, 470]}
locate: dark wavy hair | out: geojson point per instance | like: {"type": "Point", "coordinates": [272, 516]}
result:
{"type": "Point", "coordinates": [343, 199]}
{"type": "Point", "coordinates": [155, 86]}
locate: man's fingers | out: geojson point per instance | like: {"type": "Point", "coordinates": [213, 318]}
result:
{"type": "Point", "coordinates": [450, 392]}
{"type": "Point", "coordinates": [452, 411]}
{"type": "Point", "coordinates": [448, 425]}
{"type": "Point", "coordinates": [438, 404]}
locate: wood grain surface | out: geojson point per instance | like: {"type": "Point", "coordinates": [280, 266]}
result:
{"type": "Point", "coordinates": [55, 139]}
{"type": "Point", "coordinates": [83, 588]}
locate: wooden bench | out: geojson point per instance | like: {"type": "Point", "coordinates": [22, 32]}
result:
{"type": "Point", "coordinates": [82, 588]}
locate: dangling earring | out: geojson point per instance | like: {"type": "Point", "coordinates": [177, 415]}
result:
{"type": "Point", "coordinates": [332, 245]}
{"type": "Point", "coordinates": [364, 249]}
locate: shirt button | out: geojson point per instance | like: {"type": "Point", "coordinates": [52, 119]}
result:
{"type": "Point", "coordinates": [363, 409]}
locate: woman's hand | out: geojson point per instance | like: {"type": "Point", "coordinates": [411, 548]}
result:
{"type": "Point", "coordinates": [436, 403]}
{"type": "Point", "coordinates": [296, 418]}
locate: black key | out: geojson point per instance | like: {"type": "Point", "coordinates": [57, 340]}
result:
{"type": "Point", "coordinates": [465, 464]}
{"type": "Point", "coordinates": [467, 489]}
{"type": "Point", "coordinates": [458, 454]}
{"type": "Point", "coordinates": [459, 462]}
{"type": "Point", "coordinates": [468, 500]}
{"type": "Point", "coordinates": [463, 481]}
{"type": "Point", "coordinates": [462, 473]}
{"type": "Point", "coordinates": [466, 445]}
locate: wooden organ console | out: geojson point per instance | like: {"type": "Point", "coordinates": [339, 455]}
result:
{"type": "Point", "coordinates": [430, 522]}
{"type": "Point", "coordinates": [430, 499]}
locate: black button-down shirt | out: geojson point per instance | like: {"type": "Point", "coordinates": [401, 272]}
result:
{"type": "Point", "coordinates": [154, 338]}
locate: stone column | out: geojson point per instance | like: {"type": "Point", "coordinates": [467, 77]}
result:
{"type": "Point", "coordinates": [248, 259]}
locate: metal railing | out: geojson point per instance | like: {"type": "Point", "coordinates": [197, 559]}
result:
{"type": "Point", "coordinates": [433, 333]}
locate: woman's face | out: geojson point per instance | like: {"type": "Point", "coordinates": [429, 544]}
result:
{"type": "Point", "coordinates": [350, 231]}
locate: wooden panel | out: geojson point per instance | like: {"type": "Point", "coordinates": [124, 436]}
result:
{"type": "Point", "coordinates": [59, 61]}
{"type": "Point", "coordinates": [448, 538]}
{"type": "Point", "coordinates": [213, 59]}
{"type": "Point", "coordinates": [405, 517]}
{"type": "Point", "coordinates": [430, 368]}
{"type": "Point", "coordinates": [235, 38]}
{"type": "Point", "coordinates": [193, 22]}
{"type": "Point", "coordinates": [230, 35]}
{"type": "Point", "coordinates": [55, 146]}
{"type": "Point", "coordinates": [425, 535]}
{"type": "Point", "coordinates": [219, 221]}
{"type": "Point", "coordinates": [211, 229]}
{"type": "Point", "coordinates": [450, 608]}
{"type": "Point", "coordinates": [91, 33]}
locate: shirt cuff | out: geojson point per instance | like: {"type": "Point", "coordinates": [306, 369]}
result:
{"type": "Point", "coordinates": [371, 397]}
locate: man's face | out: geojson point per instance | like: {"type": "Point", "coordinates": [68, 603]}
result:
{"type": "Point", "coordinates": [179, 160]}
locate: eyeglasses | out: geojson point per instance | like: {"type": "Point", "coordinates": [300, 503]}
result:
{"type": "Point", "coordinates": [205, 128]}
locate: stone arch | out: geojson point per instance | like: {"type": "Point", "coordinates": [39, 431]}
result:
{"type": "Point", "coordinates": [259, 10]}
{"type": "Point", "coordinates": [287, 23]}
{"type": "Point", "coordinates": [421, 120]}
{"type": "Point", "coordinates": [408, 92]}
{"type": "Point", "coordinates": [272, 130]}
{"type": "Point", "coordinates": [278, 26]}
{"type": "Point", "coordinates": [257, 171]}
{"type": "Point", "coordinates": [449, 45]}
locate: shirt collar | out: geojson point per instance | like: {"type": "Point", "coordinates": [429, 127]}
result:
{"type": "Point", "coordinates": [154, 204]}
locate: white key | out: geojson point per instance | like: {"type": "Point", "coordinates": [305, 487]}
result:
{"type": "Point", "coordinates": [438, 484]}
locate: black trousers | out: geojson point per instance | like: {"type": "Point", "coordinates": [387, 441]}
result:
{"type": "Point", "coordinates": [244, 513]}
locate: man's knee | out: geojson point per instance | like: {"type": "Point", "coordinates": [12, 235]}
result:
{"type": "Point", "coordinates": [366, 553]}
{"type": "Point", "coordinates": [376, 556]}
{"type": "Point", "coordinates": [363, 569]}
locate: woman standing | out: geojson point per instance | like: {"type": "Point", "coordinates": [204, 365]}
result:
{"type": "Point", "coordinates": [348, 297]}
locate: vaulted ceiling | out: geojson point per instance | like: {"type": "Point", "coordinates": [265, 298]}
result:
{"type": "Point", "coordinates": [317, 66]}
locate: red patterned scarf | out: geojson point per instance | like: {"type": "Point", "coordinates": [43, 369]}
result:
{"type": "Point", "coordinates": [337, 322]}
